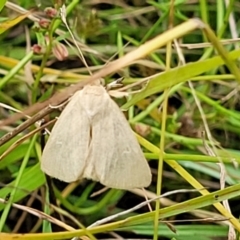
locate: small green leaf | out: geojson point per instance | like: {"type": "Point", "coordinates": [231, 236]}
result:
{"type": "Point", "coordinates": [2, 4]}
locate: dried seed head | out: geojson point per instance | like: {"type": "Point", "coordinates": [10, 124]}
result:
{"type": "Point", "coordinates": [51, 12]}
{"type": "Point", "coordinates": [60, 51]}
{"type": "Point", "coordinates": [37, 49]}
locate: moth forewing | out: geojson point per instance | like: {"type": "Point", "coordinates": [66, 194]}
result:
{"type": "Point", "coordinates": [64, 156]}
{"type": "Point", "coordinates": [115, 154]}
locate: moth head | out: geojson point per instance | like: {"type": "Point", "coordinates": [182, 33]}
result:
{"type": "Point", "coordinates": [98, 82]}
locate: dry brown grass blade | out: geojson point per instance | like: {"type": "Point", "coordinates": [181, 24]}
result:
{"type": "Point", "coordinates": [25, 137]}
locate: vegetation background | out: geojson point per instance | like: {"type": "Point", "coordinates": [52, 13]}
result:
{"type": "Point", "coordinates": [185, 112]}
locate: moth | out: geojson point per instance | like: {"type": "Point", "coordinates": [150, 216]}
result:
{"type": "Point", "coordinates": [92, 139]}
